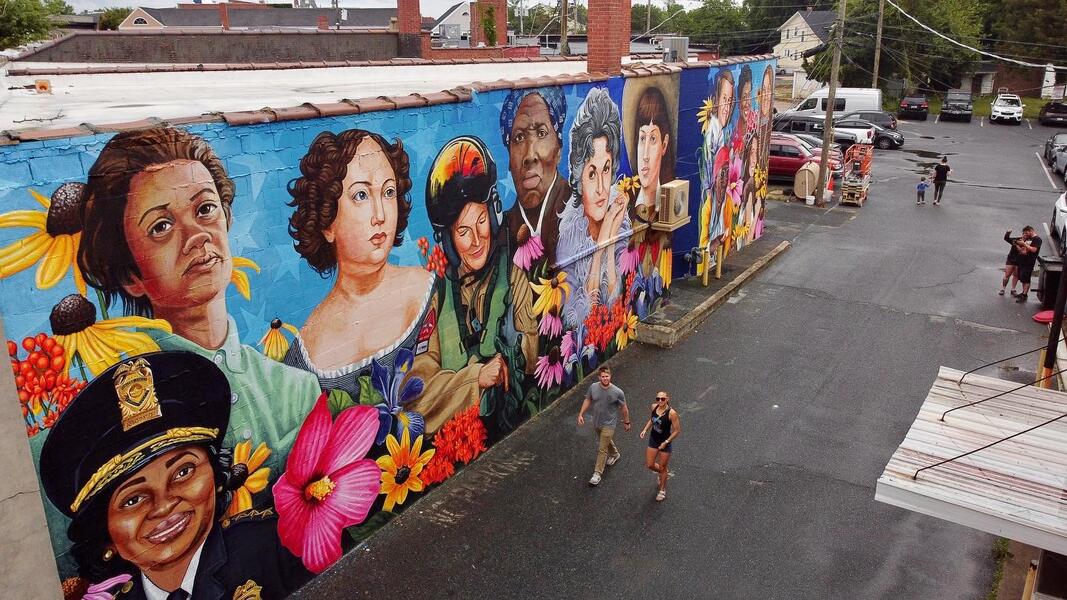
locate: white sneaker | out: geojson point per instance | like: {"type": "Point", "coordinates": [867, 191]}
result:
{"type": "Point", "coordinates": [661, 496]}
{"type": "Point", "coordinates": [614, 458]}
{"type": "Point", "coordinates": [595, 479]}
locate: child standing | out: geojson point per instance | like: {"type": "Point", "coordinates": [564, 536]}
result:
{"type": "Point", "coordinates": [920, 191]}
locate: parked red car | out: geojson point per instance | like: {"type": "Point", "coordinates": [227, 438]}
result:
{"type": "Point", "coordinates": [788, 154]}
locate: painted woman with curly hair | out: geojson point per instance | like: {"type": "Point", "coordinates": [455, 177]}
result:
{"type": "Point", "coordinates": [351, 210]}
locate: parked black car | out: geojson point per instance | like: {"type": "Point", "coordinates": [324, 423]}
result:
{"type": "Point", "coordinates": [883, 138]}
{"type": "Point", "coordinates": [1053, 113]}
{"type": "Point", "coordinates": [811, 125]}
{"type": "Point", "coordinates": [1052, 144]}
{"type": "Point", "coordinates": [914, 106]}
{"type": "Point", "coordinates": [957, 105]}
{"type": "Point", "coordinates": [878, 117]}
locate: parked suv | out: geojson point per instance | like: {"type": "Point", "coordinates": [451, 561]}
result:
{"type": "Point", "coordinates": [914, 106]}
{"type": "Point", "coordinates": [1053, 113]}
{"type": "Point", "coordinates": [958, 105]}
{"type": "Point", "coordinates": [789, 123]}
{"type": "Point", "coordinates": [1007, 107]}
{"type": "Point", "coordinates": [878, 117]}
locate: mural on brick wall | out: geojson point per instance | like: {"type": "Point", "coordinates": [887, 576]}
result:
{"type": "Point", "coordinates": [736, 123]}
{"type": "Point", "coordinates": [247, 348]}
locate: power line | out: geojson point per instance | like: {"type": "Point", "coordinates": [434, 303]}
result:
{"type": "Point", "coordinates": [962, 45]}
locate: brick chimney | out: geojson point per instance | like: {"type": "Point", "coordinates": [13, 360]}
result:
{"type": "Point", "coordinates": [224, 16]}
{"type": "Point", "coordinates": [409, 21]}
{"type": "Point", "coordinates": [608, 34]}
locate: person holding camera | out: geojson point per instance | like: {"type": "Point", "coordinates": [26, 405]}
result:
{"type": "Point", "coordinates": [1023, 257]}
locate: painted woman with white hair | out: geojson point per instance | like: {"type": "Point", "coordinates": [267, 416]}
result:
{"type": "Point", "coordinates": [595, 226]}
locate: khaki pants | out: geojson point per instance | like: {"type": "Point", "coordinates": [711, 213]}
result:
{"type": "Point", "coordinates": [605, 447]}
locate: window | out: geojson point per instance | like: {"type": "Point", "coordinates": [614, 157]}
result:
{"type": "Point", "coordinates": [808, 104]}
{"type": "Point", "coordinates": [839, 104]}
{"type": "Point", "coordinates": [775, 150]}
{"type": "Point", "coordinates": [140, 21]}
{"type": "Point", "coordinates": [790, 152]}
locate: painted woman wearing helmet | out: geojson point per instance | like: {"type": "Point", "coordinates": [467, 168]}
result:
{"type": "Point", "coordinates": [485, 341]}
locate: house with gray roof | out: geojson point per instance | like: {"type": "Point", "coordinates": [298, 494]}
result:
{"type": "Point", "coordinates": [805, 30]}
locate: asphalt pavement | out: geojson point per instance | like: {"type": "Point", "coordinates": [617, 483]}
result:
{"type": "Point", "coordinates": [792, 395]}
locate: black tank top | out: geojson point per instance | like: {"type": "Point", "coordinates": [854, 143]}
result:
{"type": "Point", "coordinates": [661, 425]}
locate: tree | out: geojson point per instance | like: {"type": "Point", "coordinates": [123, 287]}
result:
{"type": "Point", "coordinates": [113, 17]}
{"type": "Point", "coordinates": [639, 16]}
{"type": "Point", "coordinates": [58, 7]}
{"type": "Point", "coordinates": [924, 61]}
{"type": "Point", "coordinates": [1022, 26]}
{"type": "Point", "coordinates": [716, 22]}
{"type": "Point", "coordinates": [22, 21]}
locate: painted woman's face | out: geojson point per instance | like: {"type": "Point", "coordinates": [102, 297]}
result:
{"type": "Point", "coordinates": [470, 235]}
{"type": "Point", "coordinates": [766, 95]}
{"type": "Point", "coordinates": [365, 226]}
{"type": "Point", "coordinates": [744, 99]}
{"type": "Point", "coordinates": [164, 511]}
{"type": "Point", "coordinates": [176, 230]}
{"type": "Point", "coordinates": [724, 104]}
{"type": "Point", "coordinates": [651, 146]}
{"type": "Point", "coordinates": [596, 181]}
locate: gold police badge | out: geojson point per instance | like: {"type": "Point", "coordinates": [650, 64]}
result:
{"type": "Point", "coordinates": [137, 393]}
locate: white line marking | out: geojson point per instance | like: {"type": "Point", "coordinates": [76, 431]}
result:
{"type": "Point", "coordinates": [981, 123]}
{"type": "Point", "coordinates": [1028, 124]}
{"type": "Point", "coordinates": [1044, 169]}
{"type": "Point", "coordinates": [937, 118]}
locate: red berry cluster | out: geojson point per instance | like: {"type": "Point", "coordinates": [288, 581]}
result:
{"type": "Point", "coordinates": [436, 261]}
{"type": "Point", "coordinates": [44, 387]}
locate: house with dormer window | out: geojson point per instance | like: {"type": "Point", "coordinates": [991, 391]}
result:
{"type": "Point", "coordinates": [805, 30]}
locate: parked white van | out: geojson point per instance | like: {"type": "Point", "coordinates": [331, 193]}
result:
{"type": "Point", "coordinates": [846, 100]}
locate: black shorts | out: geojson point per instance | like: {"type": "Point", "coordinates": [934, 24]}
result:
{"type": "Point", "coordinates": [1011, 260]}
{"type": "Point", "coordinates": [1026, 270]}
{"type": "Point", "coordinates": [654, 444]}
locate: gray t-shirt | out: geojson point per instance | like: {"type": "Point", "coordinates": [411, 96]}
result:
{"type": "Point", "coordinates": [605, 404]}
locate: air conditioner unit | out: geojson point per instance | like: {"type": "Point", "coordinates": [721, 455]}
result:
{"type": "Point", "coordinates": [675, 49]}
{"type": "Point", "coordinates": [673, 209]}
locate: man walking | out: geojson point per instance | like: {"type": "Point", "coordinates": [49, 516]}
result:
{"type": "Point", "coordinates": [606, 400]}
{"type": "Point", "coordinates": [1028, 247]}
{"type": "Point", "coordinates": [941, 173]}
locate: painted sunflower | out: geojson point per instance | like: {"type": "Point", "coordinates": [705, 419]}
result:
{"type": "Point", "coordinates": [54, 243]}
{"type": "Point", "coordinates": [257, 475]}
{"type": "Point", "coordinates": [273, 342]}
{"type": "Point", "coordinates": [99, 344]}
{"type": "Point", "coordinates": [627, 331]}
{"type": "Point", "coordinates": [402, 468]}
{"type": "Point", "coordinates": [550, 292]}
{"type": "Point", "coordinates": [239, 278]}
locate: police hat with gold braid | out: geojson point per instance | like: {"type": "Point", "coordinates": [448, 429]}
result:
{"type": "Point", "coordinates": [131, 413]}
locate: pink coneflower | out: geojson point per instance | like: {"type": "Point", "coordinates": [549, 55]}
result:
{"type": "Point", "coordinates": [550, 325]}
{"type": "Point", "coordinates": [530, 248]}
{"type": "Point", "coordinates": [549, 369]}
{"type": "Point", "coordinates": [733, 187]}
{"type": "Point", "coordinates": [328, 483]}
{"type": "Point", "coordinates": [630, 258]}
{"type": "Point", "coordinates": [567, 347]}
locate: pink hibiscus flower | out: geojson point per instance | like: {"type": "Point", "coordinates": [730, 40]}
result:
{"type": "Point", "coordinates": [328, 483]}
{"type": "Point", "coordinates": [549, 369]}
{"type": "Point", "coordinates": [735, 183]}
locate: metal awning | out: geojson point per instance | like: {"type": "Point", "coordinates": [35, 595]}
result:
{"type": "Point", "coordinates": [1014, 489]}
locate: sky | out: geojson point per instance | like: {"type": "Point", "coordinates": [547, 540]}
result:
{"type": "Point", "coordinates": [430, 8]}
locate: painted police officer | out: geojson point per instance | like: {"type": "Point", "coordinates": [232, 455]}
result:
{"type": "Point", "coordinates": [137, 464]}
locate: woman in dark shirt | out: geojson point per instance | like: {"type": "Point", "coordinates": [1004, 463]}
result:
{"type": "Point", "coordinates": [662, 427]}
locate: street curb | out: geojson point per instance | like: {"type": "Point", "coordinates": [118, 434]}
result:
{"type": "Point", "coordinates": [666, 336]}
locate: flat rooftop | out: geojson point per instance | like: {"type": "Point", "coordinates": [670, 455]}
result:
{"type": "Point", "coordinates": [120, 97]}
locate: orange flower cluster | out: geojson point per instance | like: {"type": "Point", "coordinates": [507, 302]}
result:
{"type": "Point", "coordinates": [436, 261]}
{"type": "Point", "coordinates": [461, 439]}
{"type": "Point", "coordinates": [44, 388]}
{"type": "Point", "coordinates": [604, 322]}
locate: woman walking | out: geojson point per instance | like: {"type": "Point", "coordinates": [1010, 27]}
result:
{"type": "Point", "coordinates": [662, 427]}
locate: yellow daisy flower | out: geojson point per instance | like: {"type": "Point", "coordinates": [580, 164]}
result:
{"type": "Point", "coordinates": [239, 278]}
{"type": "Point", "coordinates": [627, 332]}
{"type": "Point", "coordinates": [551, 293]}
{"type": "Point", "coordinates": [54, 244]}
{"type": "Point", "coordinates": [666, 265]}
{"type": "Point", "coordinates": [705, 114]}
{"type": "Point", "coordinates": [99, 344]}
{"type": "Point", "coordinates": [257, 475]}
{"type": "Point", "coordinates": [629, 184]}
{"type": "Point", "coordinates": [273, 342]}
{"type": "Point", "coordinates": [401, 468]}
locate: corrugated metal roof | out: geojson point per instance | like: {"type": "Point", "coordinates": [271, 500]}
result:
{"type": "Point", "coordinates": [1014, 489]}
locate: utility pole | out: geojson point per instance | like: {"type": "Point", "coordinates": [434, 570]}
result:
{"type": "Point", "coordinates": [831, 97]}
{"type": "Point", "coordinates": [878, 43]}
{"type": "Point", "coordinates": [1049, 366]}
{"type": "Point", "coordinates": [648, 16]}
{"type": "Point", "coordinates": [565, 17]}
